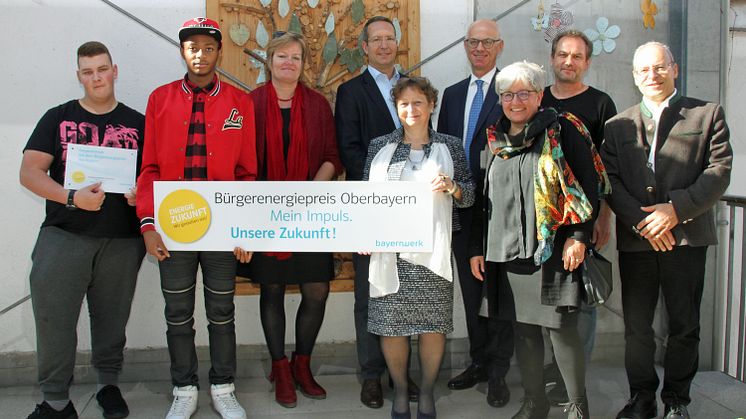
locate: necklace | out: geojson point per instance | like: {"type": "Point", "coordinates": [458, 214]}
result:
{"type": "Point", "coordinates": [416, 165]}
{"type": "Point", "coordinates": [285, 100]}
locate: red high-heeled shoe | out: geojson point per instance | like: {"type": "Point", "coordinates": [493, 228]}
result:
{"type": "Point", "coordinates": [300, 365]}
{"type": "Point", "coordinates": [283, 383]}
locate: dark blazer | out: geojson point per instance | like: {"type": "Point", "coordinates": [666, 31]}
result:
{"type": "Point", "coordinates": [692, 168]}
{"type": "Point", "coordinates": [451, 120]}
{"type": "Point", "coordinates": [361, 114]}
{"type": "Point", "coordinates": [319, 127]}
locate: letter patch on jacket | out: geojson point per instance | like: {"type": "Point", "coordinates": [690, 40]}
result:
{"type": "Point", "coordinates": [233, 121]}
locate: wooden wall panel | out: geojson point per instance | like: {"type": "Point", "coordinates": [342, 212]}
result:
{"type": "Point", "coordinates": [248, 24]}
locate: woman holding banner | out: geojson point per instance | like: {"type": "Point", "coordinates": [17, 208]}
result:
{"type": "Point", "coordinates": [412, 293]}
{"type": "Point", "coordinates": [295, 142]}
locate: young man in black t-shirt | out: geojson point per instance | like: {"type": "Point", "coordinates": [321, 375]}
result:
{"type": "Point", "coordinates": [89, 243]}
{"type": "Point", "coordinates": [570, 59]}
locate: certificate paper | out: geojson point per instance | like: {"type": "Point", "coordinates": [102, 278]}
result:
{"type": "Point", "coordinates": [114, 167]}
{"type": "Point", "coordinates": [295, 216]}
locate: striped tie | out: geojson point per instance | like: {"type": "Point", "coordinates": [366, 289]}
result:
{"type": "Point", "coordinates": [476, 107]}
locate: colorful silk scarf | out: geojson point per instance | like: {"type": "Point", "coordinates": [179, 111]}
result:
{"type": "Point", "coordinates": [604, 186]}
{"type": "Point", "coordinates": [558, 196]}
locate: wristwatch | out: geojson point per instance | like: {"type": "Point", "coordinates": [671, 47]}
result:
{"type": "Point", "coordinates": [70, 200]}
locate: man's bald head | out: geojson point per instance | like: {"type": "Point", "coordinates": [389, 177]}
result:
{"type": "Point", "coordinates": [483, 45]}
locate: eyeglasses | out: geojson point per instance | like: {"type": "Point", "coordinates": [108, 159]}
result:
{"type": "Point", "coordinates": [380, 40]}
{"type": "Point", "coordinates": [657, 69]}
{"type": "Point", "coordinates": [522, 95]}
{"type": "Point", "coordinates": [473, 43]}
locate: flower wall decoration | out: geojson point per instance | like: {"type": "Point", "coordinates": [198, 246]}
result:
{"type": "Point", "coordinates": [541, 21]}
{"type": "Point", "coordinates": [603, 36]}
{"type": "Point", "coordinates": [649, 10]}
{"type": "Point", "coordinates": [559, 20]}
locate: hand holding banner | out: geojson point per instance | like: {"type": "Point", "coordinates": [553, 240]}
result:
{"type": "Point", "coordinates": [295, 216]}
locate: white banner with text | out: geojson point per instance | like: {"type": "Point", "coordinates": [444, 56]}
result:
{"type": "Point", "coordinates": [295, 216]}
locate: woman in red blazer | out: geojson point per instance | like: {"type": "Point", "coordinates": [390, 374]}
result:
{"type": "Point", "coordinates": [295, 141]}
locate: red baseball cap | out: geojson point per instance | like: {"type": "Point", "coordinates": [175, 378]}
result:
{"type": "Point", "coordinates": [200, 26]}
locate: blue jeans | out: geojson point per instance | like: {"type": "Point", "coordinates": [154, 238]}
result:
{"type": "Point", "coordinates": [178, 283]}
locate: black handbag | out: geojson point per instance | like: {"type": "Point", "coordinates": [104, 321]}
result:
{"type": "Point", "coordinates": [597, 278]}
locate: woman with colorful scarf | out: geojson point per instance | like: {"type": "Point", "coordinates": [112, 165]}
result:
{"type": "Point", "coordinates": [295, 140]}
{"type": "Point", "coordinates": [412, 293]}
{"type": "Point", "coordinates": [540, 193]}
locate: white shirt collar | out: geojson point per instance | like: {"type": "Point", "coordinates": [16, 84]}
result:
{"type": "Point", "coordinates": [488, 77]}
{"type": "Point", "coordinates": [375, 73]}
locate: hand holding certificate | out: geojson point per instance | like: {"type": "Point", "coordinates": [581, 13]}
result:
{"type": "Point", "coordinates": [115, 168]}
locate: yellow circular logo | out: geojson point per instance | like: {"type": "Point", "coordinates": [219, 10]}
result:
{"type": "Point", "coordinates": [184, 216]}
{"type": "Point", "coordinates": [78, 176]}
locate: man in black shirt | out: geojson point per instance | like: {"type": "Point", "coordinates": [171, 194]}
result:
{"type": "Point", "coordinates": [570, 59]}
{"type": "Point", "coordinates": [88, 245]}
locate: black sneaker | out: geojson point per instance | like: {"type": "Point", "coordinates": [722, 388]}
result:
{"type": "Point", "coordinates": [45, 411]}
{"type": "Point", "coordinates": [111, 401]}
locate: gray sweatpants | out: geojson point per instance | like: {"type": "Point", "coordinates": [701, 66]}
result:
{"type": "Point", "coordinates": [66, 268]}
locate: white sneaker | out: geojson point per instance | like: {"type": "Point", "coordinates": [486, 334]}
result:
{"type": "Point", "coordinates": [224, 401]}
{"type": "Point", "coordinates": [184, 404]}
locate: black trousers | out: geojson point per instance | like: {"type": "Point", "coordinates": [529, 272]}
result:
{"type": "Point", "coordinates": [490, 339]}
{"type": "Point", "coordinates": [179, 286]}
{"type": "Point", "coordinates": [679, 275]}
{"type": "Point", "coordinates": [369, 355]}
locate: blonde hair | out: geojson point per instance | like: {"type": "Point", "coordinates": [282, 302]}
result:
{"type": "Point", "coordinates": [282, 41]}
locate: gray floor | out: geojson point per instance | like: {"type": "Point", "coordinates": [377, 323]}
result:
{"type": "Point", "coordinates": [715, 395]}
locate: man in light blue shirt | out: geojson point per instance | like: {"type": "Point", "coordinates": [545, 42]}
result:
{"type": "Point", "coordinates": [365, 110]}
{"type": "Point", "coordinates": [386, 82]}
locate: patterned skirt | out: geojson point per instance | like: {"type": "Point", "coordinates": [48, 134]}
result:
{"type": "Point", "coordinates": [423, 304]}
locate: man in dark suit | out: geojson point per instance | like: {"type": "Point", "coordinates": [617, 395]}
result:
{"type": "Point", "coordinates": [669, 161]}
{"type": "Point", "coordinates": [468, 108]}
{"type": "Point", "coordinates": [366, 110]}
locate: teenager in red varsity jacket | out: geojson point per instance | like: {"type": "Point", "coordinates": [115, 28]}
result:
{"type": "Point", "coordinates": [197, 129]}
{"type": "Point", "coordinates": [229, 130]}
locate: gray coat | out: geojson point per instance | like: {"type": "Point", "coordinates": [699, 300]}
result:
{"type": "Point", "coordinates": [692, 168]}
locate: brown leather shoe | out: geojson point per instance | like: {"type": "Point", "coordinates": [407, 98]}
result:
{"type": "Point", "coordinates": [371, 394]}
